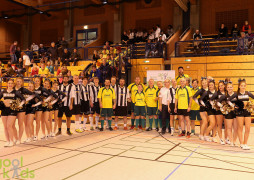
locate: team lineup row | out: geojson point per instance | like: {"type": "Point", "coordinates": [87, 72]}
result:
{"type": "Point", "coordinates": [160, 104]}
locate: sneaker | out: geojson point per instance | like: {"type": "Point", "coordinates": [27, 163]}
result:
{"type": "Point", "coordinates": [157, 129]}
{"type": "Point", "coordinates": [125, 128]}
{"type": "Point", "coordinates": [35, 138]}
{"type": "Point", "coordinates": [110, 128]}
{"type": "Point", "coordinates": [140, 127]}
{"type": "Point", "coordinates": [47, 136]}
{"type": "Point", "coordinates": [59, 133]}
{"type": "Point", "coordinates": [222, 142]}
{"type": "Point", "coordinates": [84, 129]}
{"type": "Point", "coordinates": [91, 128]}
{"type": "Point", "coordinates": [78, 130]}
{"type": "Point", "coordinates": [188, 135]}
{"type": "Point", "coordinates": [149, 129]}
{"type": "Point", "coordinates": [207, 138]}
{"type": "Point", "coordinates": [17, 142]}
{"type": "Point", "coordinates": [167, 130]}
{"type": "Point", "coordinates": [214, 140]}
{"type": "Point", "coordinates": [28, 140]}
{"type": "Point", "coordinates": [160, 130]}
{"type": "Point", "coordinates": [163, 132]}
{"type": "Point", "coordinates": [182, 134]}
{"type": "Point", "coordinates": [241, 146]}
{"type": "Point", "coordinates": [115, 128]}
{"type": "Point", "coordinates": [201, 138]}
{"type": "Point", "coordinates": [192, 134]}
{"type": "Point", "coordinates": [69, 133]}
{"type": "Point", "coordinates": [228, 141]}
{"type": "Point", "coordinates": [246, 147]}
{"type": "Point", "coordinates": [101, 129]}
{"type": "Point", "coordinates": [172, 132]}
{"type": "Point", "coordinates": [10, 144]}
{"type": "Point", "coordinates": [43, 137]}
{"type": "Point", "coordinates": [6, 144]}
{"type": "Point", "coordinates": [132, 127]}
{"type": "Point", "coordinates": [97, 127]}
{"type": "Point", "coordinates": [52, 134]}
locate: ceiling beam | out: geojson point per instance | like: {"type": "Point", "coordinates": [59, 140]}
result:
{"type": "Point", "coordinates": [182, 4]}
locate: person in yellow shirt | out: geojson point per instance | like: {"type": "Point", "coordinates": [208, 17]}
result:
{"type": "Point", "coordinates": [107, 101]}
{"type": "Point", "coordinates": [133, 88]}
{"type": "Point", "coordinates": [140, 107]}
{"type": "Point", "coordinates": [183, 103]}
{"type": "Point", "coordinates": [194, 112]}
{"type": "Point", "coordinates": [181, 75]}
{"type": "Point", "coordinates": [43, 71]}
{"type": "Point", "coordinates": [150, 94]}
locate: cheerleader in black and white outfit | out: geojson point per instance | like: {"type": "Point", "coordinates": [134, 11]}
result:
{"type": "Point", "coordinates": [204, 100]}
{"type": "Point", "coordinates": [48, 95]}
{"type": "Point", "coordinates": [9, 115]}
{"type": "Point", "coordinates": [219, 116]}
{"type": "Point", "coordinates": [203, 113]}
{"type": "Point", "coordinates": [30, 112]}
{"type": "Point", "coordinates": [242, 115]}
{"type": "Point", "coordinates": [230, 118]}
{"type": "Point", "coordinates": [55, 109]}
{"type": "Point", "coordinates": [21, 114]}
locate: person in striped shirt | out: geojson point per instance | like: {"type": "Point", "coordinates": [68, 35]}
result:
{"type": "Point", "coordinates": [122, 97]}
{"type": "Point", "coordinates": [150, 94]}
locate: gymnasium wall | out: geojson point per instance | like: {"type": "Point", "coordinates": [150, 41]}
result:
{"type": "Point", "coordinates": [215, 12]}
{"type": "Point", "coordinates": [219, 67]}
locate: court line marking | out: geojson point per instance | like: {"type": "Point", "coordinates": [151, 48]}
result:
{"type": "Point", "coordinates": [181, 164]}
{"type": "Point", "coordinates": [70, 150]}
{"type": "Point", "coordinates": [167, 151]}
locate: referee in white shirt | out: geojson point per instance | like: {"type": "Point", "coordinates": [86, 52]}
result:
{"type": "Point", "coordinates": [122, 96]}
{"type": "Point", "coordinates": [164, 99]}
{"type": "Point", "coordinates": [173, 115]}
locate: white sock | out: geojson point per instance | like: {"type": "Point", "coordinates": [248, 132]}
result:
{"type": "Point", "coordinates": [125, 125]}
{"type": "Point", "coordinates": [80, 118]}
{"type": "Point", "coordinates": [107, 122]}
{"type": "Point", "coordinates": [96, 120]}
{"type": "Point", "coordinates": [91, 121]}
{"type": "Point", "coordinates": [180, 129]}
{"type": "Point", "coordinates": [115, 124]}
{"type": "Point", "coordinates": [84, 123]}
{"type": "Point", "coordinates": [76, 125]}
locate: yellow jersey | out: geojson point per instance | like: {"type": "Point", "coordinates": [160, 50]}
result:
{"type": "Point", "coordinates": [107, 96]}
{"type": "Point", "coordinates": [179, 77]}
{"type": "Point", "coordinates": [133, 88]}
{"type": "Point", "coordinates": [44, 71]}
{"type": "Point", "coordinates": [150, 94]}
{"type": "Point", "coordinates": [183, 96]}
{"type": "Point", "coordinates": [139, 99]}
{"type": "Point", "coordinates": [194, 105]}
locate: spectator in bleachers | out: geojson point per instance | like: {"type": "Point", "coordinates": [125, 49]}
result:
{"type": "Point", "coordinates": [63, 43]}
{"type": "Point", "coordinates": [9, 71]}
{"type": "Point", "coordinates": [242, 44]}
{"type": "Point", "coordinates": [34, 47]}
{"type": "Point", "coordinates": [197, 34]}
{"type": "Point", "coordinates": [53, 53]}
{"type": "Point", "coordinates": [246, 27]}
{"type": "Point", "coordinates": [13, 49]}
{"type": "Point", "coordinates": [42, 51]}
{"type": "Point", "coordinates": [34, 70]}
{"type": "Point", "coordinates": [66, 56]}
{"type": "Point", "coordinates": [20, 67]}
{"type": "Point", "coordinates": [105, 70]}
{"type": "Point", "coordinates": [235, 32]}
{"type": "Point", "coordinates": [104, 52]}
{"type": "Point", "coordinates": [125, 38]}
{"type": "Point", "coordinates": [27, 62]}
{"type": "Point", "coordinates": [163, 36]}
{"type": "Point", "coordinates": [95, 73]}
{"type": "Point", "coordinates": [170, 30]}
{"type": "Point", "coordinates": [43, 71]}
{"type": "Point", "coordinates": [149, 49]}
{"type": "Point", "coordinates": [50, 68]}
{"type": "Point", "coordinates": [107, 45]}
{"type": "Point", "coordinates": [160, 47]}
{"type": "Point", "coordinates": [223, 32]}
{"type": "Point", "coordinates": [75, 56]}
{"type": "Point", "coordinates": [1, 65]}
{"type": "Point", "coordinates": [95, 56]}
{"type": "Point", "coordinates": [250, 37]}
{"type": "Point", "coordinates": [18, 53]}
{"type": "Point", "coordinates": [157, 31]}
{"type": "Point", "coordinates": [30, 54]}
{"type": "Point", "coordinates": [70, 77]}
{"type": "Point", "coordinates": [151, 36]}
{"type": "Point", "coordinates": [139, 36]}
{"type": "Point", "coordinates": [131, 36]}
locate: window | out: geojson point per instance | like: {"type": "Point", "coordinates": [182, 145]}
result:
{"type": "Point", "coordinates": [85, 36]}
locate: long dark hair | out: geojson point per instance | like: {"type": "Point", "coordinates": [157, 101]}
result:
{"type": "Point", "coordinates": [240, 81]}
